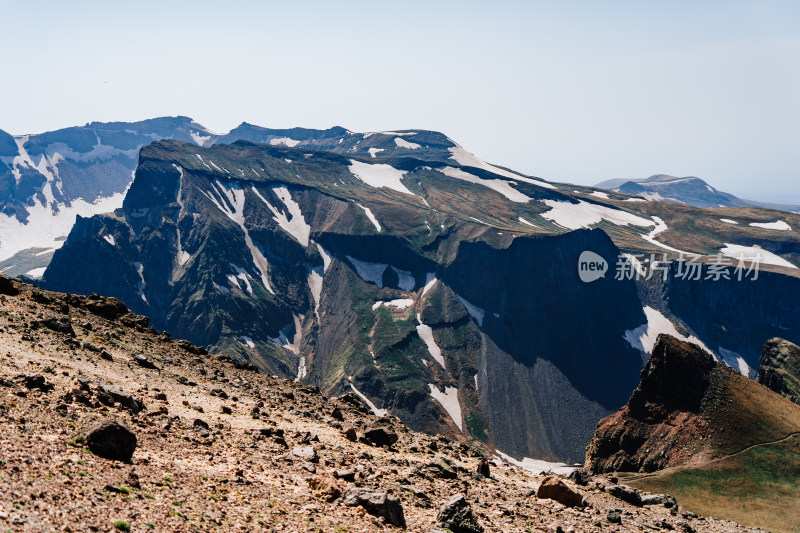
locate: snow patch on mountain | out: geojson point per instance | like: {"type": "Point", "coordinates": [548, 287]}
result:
{"type": "Point", "coordinates": [283, 340]}
{"type": "Point", "coordinates": [537, 466]}
{"type": "Point", "coordinates": [584, 214]}
{"type": "Point", "coordinates": [474, 311]}
{"type": "Point", "coordinates": [406, 279]}
{"type": "Point", "coordinates": [315, 278]}
{"type": "Point", "coordinates": [644, 337]}
{"type": "Point", "coordinates": [736, 362]}
{"type": "Point", "coordinates": [464, 158]}
{"type": "Point", "coordinates": [501, 186]}
{"type": "Point", "coordinates": [36, 273]}
{"type": "Point", "coordinates": [326, 257]}
{"type": "Point", "coordinates": [110, 239]}
{"type": "Point", "coordinates": [379, 175]}
{"type": "Point", "coordinates": [449, 400]}
{"type": "Point", "coordinates": [369, 272]}
{"type": "Point", "coordinates": [141, 285]}
{"type": "Point", "coordinates": [373, 151]}
{"type": "Point", "coordinates": [402, 143]}
{"type": "Point", "coordinates": [47, 227]}
{"type": "Point", "coordinates": [661, 226]}
{"type": "Point", "coordinates": [779, 225]}
{"type": "Point", "coordinates": [199, 139]}
{"type": "Point", "coordinates": [430, 281]}
{"type": "Point", "coordinates": [241, 274]}
{"type": "Point", "coordinates": [400, 303]}
{"type": "Point", "coordinates": [728, 221]}
{"type": "Point", "coordinates": [295, 224]}
{"type": "Point", "coordinates": [754, 253]}
{"type": "Point", "coordinates": [285, 141]}
{"type": "Point", "coordinates": [425, 333]}
{"type": "Point", "coordinates": [371, 217]}
{"type": "Point", "coordinates": [372, 407]}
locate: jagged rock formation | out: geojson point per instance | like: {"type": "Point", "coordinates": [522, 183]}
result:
{"type": "Point", "coordinates": [687, 406]}
{"type": "Point", "coordinates": [779, 369]}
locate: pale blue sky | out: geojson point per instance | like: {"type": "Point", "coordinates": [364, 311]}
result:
{"type": "Point", "coordinates": [569, 91]}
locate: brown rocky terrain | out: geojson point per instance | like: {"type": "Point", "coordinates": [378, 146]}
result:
{"type": "Point", "coordinates": [218, 446]}
{"type": "Point", "coordinates": [719, 442]}
{"type": "Point", "coordinates": [688, 409]}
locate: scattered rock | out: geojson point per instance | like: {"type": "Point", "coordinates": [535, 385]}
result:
{"type": "Point", "coordinates": [8, 287]}
{"type": "Point", "coordinates": [124, 398]}
{"type": "Point", "coordinates": [443, 467]}
{"type": "Point", "coordinates": [112, 440]}
{"type": "Point", "coordinates": [59, 325]}
{"type": "Point", "coordinates": [325, 487]}
{"type": "Point", "coordinates": [306, 452]}
{"type": "Point", "coordinates": [553, 488]}
{"type": "Point", "coordinates": [37, 381]}
{"type": "Point", "coordinates": [626, 494]}
{"type": "Point", "coordinates": [614, 515]}
{"type": "Point", "coordinates": [484, 469]}
{"type": "Point", "coordinates": [580, 477]}
{"type": "Point", "coordinates": [376, 504]}
{"type": "Point", "coordinates": [659, 499]}
{"type": "Point", "coordinates": [144, 362]}
{"type": "Point", "coordinates": [456, 515]}
{"type": "Point", "coordinates": [104, 354]}
{"type": "Point", "coordinates": [347, 475]}
{"type": "Point", "coordinates": [380, 436]}
{"type": "Point", "coordinates": [351, 434]}
{"type": "Point", "coordinates": [191, 348]}
{"type": "Point", "coordinates": [109, 308]}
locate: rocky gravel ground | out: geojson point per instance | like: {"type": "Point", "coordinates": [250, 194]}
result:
{"type": "Point", "coordinates": [218, 446]}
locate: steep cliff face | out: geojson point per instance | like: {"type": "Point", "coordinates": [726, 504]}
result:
{"type": "Point", "coordinates": [445, 293]}
{"type": "Point", "coordinates": [779, 368]}
{"type": "Point", "coordinates": [735, 318]}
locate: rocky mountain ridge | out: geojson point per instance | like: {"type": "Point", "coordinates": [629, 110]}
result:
{"type": "Point", "coordinates": [447, 294]}
{"type": "Point", "coordinates": [689, 190]}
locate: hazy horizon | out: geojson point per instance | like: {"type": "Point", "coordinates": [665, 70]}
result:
{"type": "Point", "coordinates": [576, 92]}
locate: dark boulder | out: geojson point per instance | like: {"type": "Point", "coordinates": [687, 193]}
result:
{"type": "Point", "coordinates": [37, 381]}
{"type": "Point", "coordinates": [124, 398]}
{"type": "Point", "coordinates": [456, 516]}
{"type": "Point", "coordinates": [109, 308]}
{"type": "Point", "coordinates": [144, 362]}
{"type": "Point", "coordinates": [380, 436]}
{"type": "Point", "coordinates": [59, 325]}
{"type": "Point", "coordinates": [376, 504]}
{"type": "Point", "coordinates": [7, 286]}
{"type": "Point", "coordinates": [111, 440]}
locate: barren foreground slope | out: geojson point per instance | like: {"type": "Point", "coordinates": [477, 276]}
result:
{"type": "Point", "coordinates": [224, 448]}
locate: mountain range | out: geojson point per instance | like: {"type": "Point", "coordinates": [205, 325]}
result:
{"type": "Point", "coordinates": [688, 190]}
{"type": "Point", "coordinates": [442, 289]}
